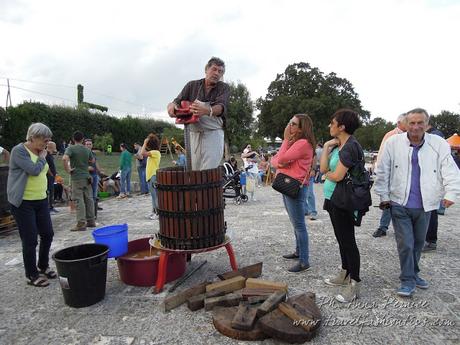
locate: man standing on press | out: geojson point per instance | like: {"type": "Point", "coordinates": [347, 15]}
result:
{"type": "Point", "coordinates": [415, 173]}
{"type": "Point", "coordinates": [210, 98]}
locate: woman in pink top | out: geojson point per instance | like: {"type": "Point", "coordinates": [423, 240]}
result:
{"type": "Point", "coordinates": [294, 159]}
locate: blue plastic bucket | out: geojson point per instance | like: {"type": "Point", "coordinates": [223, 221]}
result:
{"type": "Point", "coordinates": [113, 236]}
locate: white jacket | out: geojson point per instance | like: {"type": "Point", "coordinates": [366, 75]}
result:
{"type": "Point", "coordinates": [439, 175]}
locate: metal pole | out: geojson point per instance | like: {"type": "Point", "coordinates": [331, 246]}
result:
{"type": "Point", "coordinates": [188, 149]}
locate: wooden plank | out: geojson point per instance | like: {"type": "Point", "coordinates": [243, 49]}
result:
{"type": "Point", "coordinates": [182, 297]}
{"type": "Point", "coordinates": [196, 302]}
{"type": "Point", "coordinates": [245, 317]}
{"type": "Point", "coordinates": [271, 303]}
{"type": "Point", "coordinates": [229, 300]}
{"type": "Point", "coordinates": [228, 285]}
{"type": "Point", "coordinates": [257, 299]}
{"type": "Point", "coordinates": [215, 293]}
{"type": "Point", "coordinates": [301, 320]}
{"type": "Point", "coordinates": [248, 292]}
{"type": "Point", "coordinates": [251, 271]}
{"type": "Point", "coordinates": [265, 284]}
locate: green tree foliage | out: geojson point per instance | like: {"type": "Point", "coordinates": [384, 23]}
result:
{"type": "Point", "coordinates": [239, 116]}
{"type": "Point", "coordinates": [176, 133]}
{"type": "Point", "coordinates": [305, 89]}
{"type": "Point", "coordinates": [447, 122]}
{"type": "Point", "coordinates": [63, 121]}
{"type": "Point", "coordinates": [101, 141]}
{"type": "Point", "coordinates": [371, 134]}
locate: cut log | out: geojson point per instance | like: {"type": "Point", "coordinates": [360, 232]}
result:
{"type": "Point", "coordinates": [279, 326]}
{"type": "Point", "coordinates": [271, 303]}
{"type": "Point", "coordinates": [228, 285]}
{"type": "Point", "coordinates": [182, 297]}
{"type": "Point", "coordinates": [222, 319]}
{"type": "Point", "coordinates": [265, 284]}
{"type": "Point", "coordinates": [249, 292]}
{"type": "Point", "coordinates": [229, 300]}
{"type": "Point", "coordinates": [245, 317]}
{"type": "Point", "coordinates": [251, 271]}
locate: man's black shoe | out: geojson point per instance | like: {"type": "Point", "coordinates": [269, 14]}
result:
{"type": "Point", "coordinates": [379, 232]}
{"type": "Point", "coordinates": [298, 267]}
{"type": "Point", "coordinates": [291, 256]}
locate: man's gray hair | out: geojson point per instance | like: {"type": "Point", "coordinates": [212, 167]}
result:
{"type": "Point", "coordinates": [402, 118]}
{"type": "Point", "coordinates": [215, 61]}
{"type": "Point", "coordinates": [420, 111]}
{"type": "Point", "coordinates": [38, 130]}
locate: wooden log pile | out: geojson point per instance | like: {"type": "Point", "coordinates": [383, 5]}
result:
{"type": "Point", "coordinates": [246, 307]}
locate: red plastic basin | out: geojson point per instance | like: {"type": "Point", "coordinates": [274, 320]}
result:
{"type": "Point", "coordinates": [144, 271]}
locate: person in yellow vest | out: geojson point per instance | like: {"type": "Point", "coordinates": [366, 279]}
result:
{"type": "Point", "coordinates": [26, 189]}
{"type": "Point", "coordinates": [150, 149]}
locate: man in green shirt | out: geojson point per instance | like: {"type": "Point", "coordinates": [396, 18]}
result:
{"type": "Point", "coordinates": [76, 159]}
{"type": "Point", "coordinates": [125, 172]}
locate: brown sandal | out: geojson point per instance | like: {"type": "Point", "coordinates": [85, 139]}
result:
{"type": "Point", "coordinates": [49, 273]}
{"type": "Point", "coordinates": [38, 282]}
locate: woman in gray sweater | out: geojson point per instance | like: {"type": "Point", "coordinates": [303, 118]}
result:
{"type": "Point", "coordinates": [26, 189]}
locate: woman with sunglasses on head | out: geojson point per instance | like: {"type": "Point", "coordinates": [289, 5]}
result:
{"type": "Point", "coordinates": [26, 189]}
{"type": "Point", "coordinates": [339, 155]}
{"type": "Point", "coordinates": [294, 159]}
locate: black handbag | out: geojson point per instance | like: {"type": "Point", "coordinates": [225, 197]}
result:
{"type": "Point", "coordinates": [287, 185]}
{"type": "Point", "coordinates": [353, 193]}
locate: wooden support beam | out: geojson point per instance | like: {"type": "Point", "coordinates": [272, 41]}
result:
{"type": "Point", "coordinates": [228, 285]}
{"type": "Point", "coordinates": [245, 317]}
{"type": "Point", "coordinates": [249, 292]}
{"type": "Point", "coordinates": [271, 303]}
{"type": "Point", "coordinates": [257, 299]}
{"type": "Point", "coordinates": [265, 284]}
{"type": "Point", "coordinates": [182, 297]}
{"type": "Point", "coordinates": [303, 321]}
{"type": "Point", "coordinates": [251, 271]}
{"type": "Point", "coordinates": [230, 300]}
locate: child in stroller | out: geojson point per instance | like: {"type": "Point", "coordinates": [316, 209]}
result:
{"type": "Point", "coordinates": [232, 185]}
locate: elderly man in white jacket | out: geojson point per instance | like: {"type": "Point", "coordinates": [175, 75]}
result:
{"type": "Point", "coordinates": [415, 173]}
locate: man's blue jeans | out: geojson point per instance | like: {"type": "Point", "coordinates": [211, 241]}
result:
{"type": "Point", "coordinates": [385, 219]}
{"type": "Point", "coordinates": [142, 181]}
{"type": "Point", "coordinates": [153, 193]}
{"type": "Point", "coordinates": [95, 186]}
{"type": "Point", "coordinates": [125, 180]}
{"type": "Point", "coordinates": [296, 211]}
{"type": "Point", "coordinates": [410, 226]}
{"type": "Point", "coordinates": [310, 203]}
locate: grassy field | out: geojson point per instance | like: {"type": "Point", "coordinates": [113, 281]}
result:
{"type": "Point", "coordinates": [110, 164]}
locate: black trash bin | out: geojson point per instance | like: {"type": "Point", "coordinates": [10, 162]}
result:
{"type": "Point", "coordinates": [82, 272]}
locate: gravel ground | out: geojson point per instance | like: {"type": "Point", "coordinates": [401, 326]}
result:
{"type": "Point", "coordinates": [260, 231]}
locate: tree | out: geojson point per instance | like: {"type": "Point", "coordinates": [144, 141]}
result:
{"type": "Point", "coordinates": [371, 134]}
{"type": "Point", "coordinates": [239, 117]}
{"type": "Point", "coordinates": [101, 141]}
{"type": "Point", "coordinates": [447, 122]}
{"type": "Point", "coordinates": [303, 89]}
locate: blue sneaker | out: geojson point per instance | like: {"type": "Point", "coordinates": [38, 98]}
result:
{"type": "Point", "coordinates": [421, 283]}
{"type": "Point", "coordinates": [405, 291]}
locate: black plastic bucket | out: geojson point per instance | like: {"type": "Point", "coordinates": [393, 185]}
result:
{"type": "Point", "coordinates": [82, 272]}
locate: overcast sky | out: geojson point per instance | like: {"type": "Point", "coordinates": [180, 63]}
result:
{"type": "Point", "coordinates": [397, 54]}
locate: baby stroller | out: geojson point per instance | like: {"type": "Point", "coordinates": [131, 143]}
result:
{"type": "Point", "coordinates": [232, 185]}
